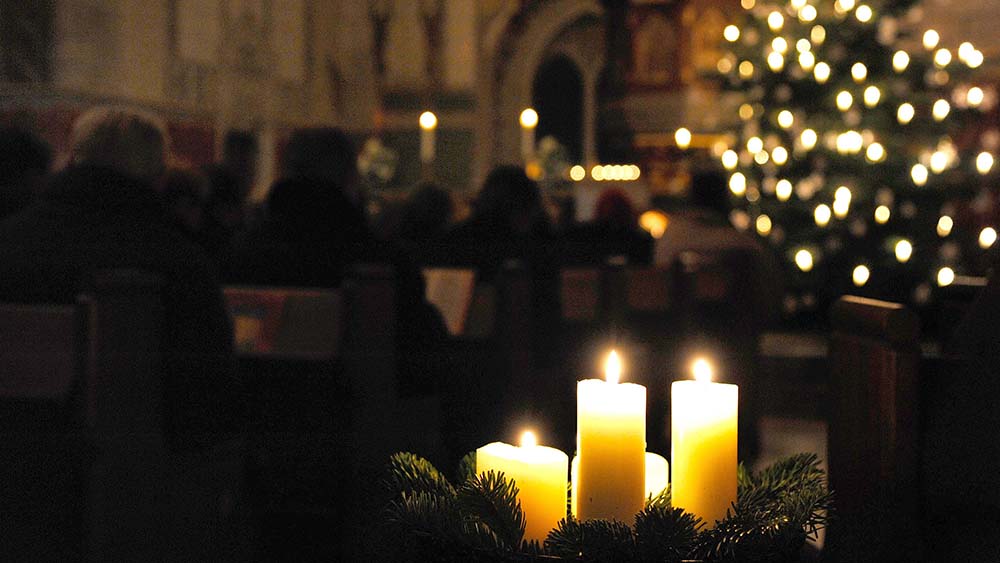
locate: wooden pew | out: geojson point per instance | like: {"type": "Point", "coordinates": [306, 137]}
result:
{"type": "Point", "coordinates": [83, 443]}
{"type": "Point", "coordinates": [874, 364]}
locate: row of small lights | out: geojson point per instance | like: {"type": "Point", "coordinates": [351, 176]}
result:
{"type": "Point", "coordinates": [606, 173]}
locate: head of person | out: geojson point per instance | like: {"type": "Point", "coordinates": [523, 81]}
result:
{"type": "Point", "coordinates": [239, 156]}
{"type": "Point", "coordinates": [185, 193]}
{"type": "Point", "coordinates": [709, 191]}
{"type": "Point", "coordinates": [129, 142]}
{"type": "Point", "coordinates": [323, 155]}
{"type": "Point", "coordinates": [510, 200]}
{"type": "Point", "coordinates": [615, 209]}
{"type": "Point", "coordinates": [428, 211]}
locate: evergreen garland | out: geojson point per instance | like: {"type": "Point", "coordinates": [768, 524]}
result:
{"type": "Point", "coordinates": [429, 518]}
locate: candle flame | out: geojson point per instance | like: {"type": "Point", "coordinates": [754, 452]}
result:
{"type": "Point", "coordinates": [528, 439]}
{"type": "Point", "coordinates": [613, 368]}
{"type": "Point", "coordinates": [702, 370]}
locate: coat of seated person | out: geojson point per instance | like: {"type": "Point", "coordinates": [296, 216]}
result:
{"type": "Point", "coordinates": [102, 213]}
{"type": "Point", "coordinates": [314, 229]}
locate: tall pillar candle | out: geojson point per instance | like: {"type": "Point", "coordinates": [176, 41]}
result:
{"type": "Point", "coordinates": [657, 478]}
{"type": "Point", "coordinates": [428, 127]}
{"type": "Point", "coordinates": [539, 473]}
{"type": "Point", "coordinates": [703, 443]}
{"type": "Point", "coordinates": [528, 120]}
{"type": "Point", "coordinates": [611, 421]}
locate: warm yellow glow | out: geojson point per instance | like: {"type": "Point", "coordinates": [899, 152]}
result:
{"type": "Point", "coordinates": [817, 34]}
{"type": "Point", "coordinates": [859, 72]}
{"type": "Point", "coordinates": [904, 250]}
{"type": "Point", "coordinates": [822, 214]}
{"type": "Point", "coordinates": [724, 65]}
{"type": "Point", "coordinates": [763, 225]}
{"type": "Point", "coordinates": [780, 44]}
{"type": "Point", "coordinates": [779, 155]}
{"type": "Point", "coordinates": [822, 72]}
{"type": "Point", "coordinates": [776, 61]}
{"type": "Point", "coordinates": [804, 260]}
{"type": "Point", "coordinates": [775, 21]}
{"type": "Point", "coordinates": [785, 119]}
{"type": "Point", "coordinates": [577, 173]}
{"type": "Point", "coordinates": [808, 13]}
{"type": "Point", "coordinates": [964, 50]}
{"type": "Point", "coordinates": [919, 174]}
{"type": "Point", "coordinates": [528, 439]}
{"type": "Point", "coordinates": [809, 138]}
{"type": "Point", "coordinates": [797, 4]}
{"type": "Point", "coordinates": [945, 276]}
{"type": "Point", "coordinates": [875, 152]}
{"type": "Point", "coordinates": [882, 214]}
{"type": "Point", "coordinates": [803, 45]}
{"type": "Point", "coordinates": [944, 226]}
{"type": "Point", "coordinates": [748, 4]}
{"type": "Point", "coordinates": [905, 113]}
{"type": "Point", "coordinates": [844, 100]}
{"type": "Point", "coordinates": [730, 159]}
{"type": "Point", "coordinates": [939, 161]}
{"type": "Point", "coordinates": [842, 192]}
{"type": "Point", "coordinates": [761, 158]}
{"type": "Point", "coordinates": [942, 57]}
{"type": "Point", "coordinates": [654, 222]}
{"type": "Point", "coordinates": [783, 189]}
{"type": "Point", "coordinates": [746, 69]}
{"type": "Point", "coordinates": [702, 370]}
{"type": "Point", "coordinates": [900, 60]}
{"type": "Point", "coordinates": [755, 145]}
{"type": "Point", "coordinates": [860, 275]}
{"type": "Point", "coordinates": [746, 111]}
{"type": "Point", "coordinates": [849, 142]}
{"type": "Point", "coordinates": [597, 173]}
{"type": "Point", "coordinates": [864, 13]}
{"type": "Point", "coordinates": [987, 237]}
{"type": "Point", "coordinates": [940, 109]}
{"type": "Point", "coordinates": [529, 118]}
{"type": "Point", "coordinates": [931, 39]}
{"type": "Point", "coordinates": [975, 59]}
{"type": "Point", "coordinates": [872, 95]}
{"type": "Point", "coordinates": [428, 120]}
{"type": "Point", "coordinates": [984, 162]}
{"type": "Point", "coordinates": [841, 207]}
{"type": "Point", "coordinates": [975, 96]}
{"type": "Point", "coordinates": [731, 33]}
{"type": "Point", "coordinates": [807, 60]}
{"type": "Point", "coordinates": [613, 368]}
{"type": "Point", "coordinates": [738, 184]}
{"type": "Point", "coordinates": [683, 137]}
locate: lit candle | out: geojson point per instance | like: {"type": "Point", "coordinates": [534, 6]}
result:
{"type": "Point", "coordinates": [529, 119]}
{"type": "Point", "coordinates": [703, 442]}
{"type": "Point", "coordinates": [428, 125]}
{"type": "Point", "coordinates": [657, 473]}
{"type": "Point", "coordinates": [539, 473]}
{"type": "Point", "coordinates": [611, 421]}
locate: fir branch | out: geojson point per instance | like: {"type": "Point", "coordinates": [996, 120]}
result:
{"type": "Point", "coordinates": [659, 500]}
{"type": "Point", "coordinates": [409, 473]}
{"type": "Point", "coordinates": [665, 534]}
{"type": "Point", "coordinates": [490, 499]}
{"type": "Point", "coordinates": [466, 467]}
{"type": "Point", "coordinates": [591, 540]}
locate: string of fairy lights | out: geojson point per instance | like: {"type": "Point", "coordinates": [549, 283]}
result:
{"type": "Point", "coordinates": [851, 118]}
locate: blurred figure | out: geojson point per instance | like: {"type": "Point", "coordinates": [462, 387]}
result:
{"type": "Point", "coordinates": [24, 165]}
{"type": "Point", "coordinates": [315, 229]}
{"type": "Point", "coordinates": [426, 215]}
{"type": "Point", "coordinates": [614, 231]}
{"type": "Point", "coordinates": [231, 182]}
{"type": "Point", "coordinates": [185, 192]}
{"type": "Point", "coordinates": [103, 212]}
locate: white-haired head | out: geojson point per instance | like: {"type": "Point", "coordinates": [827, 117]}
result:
{"type": "Point", "coordinates": [128, 141]}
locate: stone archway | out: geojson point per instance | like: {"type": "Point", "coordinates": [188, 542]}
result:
{"type": "Point", "coordinates": [571, 28]}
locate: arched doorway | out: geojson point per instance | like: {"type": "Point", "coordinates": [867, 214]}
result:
{"type": "Point", "coordinates": [557, 95]}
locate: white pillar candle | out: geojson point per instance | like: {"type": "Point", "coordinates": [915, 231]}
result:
{"type": "Point", "coordinates": [528, 120]}
{"type": "Point", "coordinates": [657, 475]}
{"type": "Point", "coordinates": [611, 421]}
{"type": "Point", "coordinates": [428, 126]}
{"type": "Point", "coordinates": [703, 443]}
{"type": "Point", "coordinates": [539, 473]}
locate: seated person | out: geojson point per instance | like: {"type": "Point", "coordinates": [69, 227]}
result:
{"type": "Point", "coordinates": [613, 232]}
{"type": "Point", "coordinates": [24, 166]}
{"type": "Point", "coordinates": [102, 212]}
{"type": "Point", "coordinates": [315, 228]}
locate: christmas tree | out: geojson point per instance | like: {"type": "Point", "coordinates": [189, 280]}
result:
{"type": "Point", "coordinates": [859, 153]}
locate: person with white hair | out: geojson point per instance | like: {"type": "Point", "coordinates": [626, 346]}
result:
{"type": "Point", "coordinates": [103, 212]}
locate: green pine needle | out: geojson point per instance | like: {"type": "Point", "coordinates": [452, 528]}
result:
{"type": "Point", "coordinates": [492, 500]}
